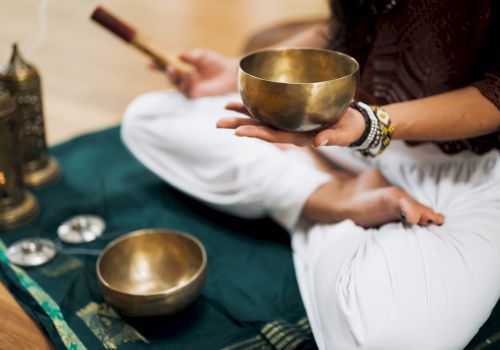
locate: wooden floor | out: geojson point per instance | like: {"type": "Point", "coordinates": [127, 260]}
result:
{"type": "Point", "coordinates": [89, 77]}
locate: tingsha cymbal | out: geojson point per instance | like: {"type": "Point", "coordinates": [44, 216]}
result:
{"type": "Point", "coordinates": [31, 252]}
{"type": "Point", "coordinates": [81, 229]}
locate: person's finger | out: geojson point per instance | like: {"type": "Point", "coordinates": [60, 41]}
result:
{"type": "Point", "coordinates": [153, 65]}
{"type": "Point", "coordinates": [193, 57]}
{"type": "Point", "coordinates": [238, 107]}
{"type": "Point", "coordinates": [410, 213]}
{"type": "Point", "coordinates": [174, 76]}
{"type": "Point", "coordinates": [440, 219]}
{"type": "Point", "coordinates": [204, 88]}
{"type": "Point", "coordinates": [272, 135]}
{"type": "Point", "coordinates": [333, 137]}
{"type": "Point", "coordinates": [233, 123]}
{"type": "Point", "coordinates": [185, 88]}
{"type": "Point", "coordinates": [428, 217]}
{"type": "Point", "coordinates": [186, 84]}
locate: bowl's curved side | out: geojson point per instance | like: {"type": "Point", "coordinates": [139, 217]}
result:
{"type": "Point", "coordinates": [278, 105]}
{"type": "Point", "coordinates": [297, 107]}
{"type": "Point", "coordinates": [162, 303]}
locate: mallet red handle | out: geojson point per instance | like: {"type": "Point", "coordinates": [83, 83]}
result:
{"type": "Point", "coordinates": [128, 33]}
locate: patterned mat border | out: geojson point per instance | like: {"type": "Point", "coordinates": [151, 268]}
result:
{"type": "Point", "coordinates": [49, 306]}
{"type": "Point", "coordinates": [278, 335]}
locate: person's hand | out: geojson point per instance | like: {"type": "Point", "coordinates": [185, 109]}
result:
{"type": "Point", "coordinates": [347, 130]}
{"type": "Point", "coordinates": [212, 74]}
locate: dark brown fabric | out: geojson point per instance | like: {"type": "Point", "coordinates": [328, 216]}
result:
{"type": "Point", "coordinates": [417, 48]}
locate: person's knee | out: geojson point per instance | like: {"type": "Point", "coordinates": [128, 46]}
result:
{"type": "Point", "coordinates": [130, 126]}
{"type": "Point", "coordinates": [388, 326]}
{"type": "Point", "coordinates": [145, 119]}
{"type": "Point", "coordinates": [370, 303]}
{"type": "Point", "coordinates": [134, 119]}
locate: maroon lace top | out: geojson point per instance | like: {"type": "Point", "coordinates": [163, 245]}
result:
{"type": "Point", "coordinates": [410, 49]}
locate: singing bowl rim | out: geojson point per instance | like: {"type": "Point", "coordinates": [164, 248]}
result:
{"type": "Point", "coordinates": [170, 291]}
{"type": "Point", "coordinates": [282, 49]}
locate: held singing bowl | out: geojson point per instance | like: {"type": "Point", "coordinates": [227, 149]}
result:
{"type": "Point", "coordinates": [152, 272]}
{"type": "Point", "coordinates": [298, 89]}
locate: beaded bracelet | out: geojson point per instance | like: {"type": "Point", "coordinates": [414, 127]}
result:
{"type": "Point", "coordinates": [385, 126]}
{"type": "Point", "coordinates": [378, 131]}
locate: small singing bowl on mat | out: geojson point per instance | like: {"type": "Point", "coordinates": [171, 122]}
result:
{"type": "Point", "coordinates": [152, 272]}
{"type": "Point", "coordinates": [298, 89]}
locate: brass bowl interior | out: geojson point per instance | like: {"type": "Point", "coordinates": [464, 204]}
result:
{"type": "Point", "coordinates": [298, 66]}
{"type": "Point", "coordinates": [151, 263]}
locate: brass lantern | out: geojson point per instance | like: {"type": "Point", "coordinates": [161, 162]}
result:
{"type": "Point", "coordinates": [23, 81]}
{"type": "Point", "coordinates": [17, 206]}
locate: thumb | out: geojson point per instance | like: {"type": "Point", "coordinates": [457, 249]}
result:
{"type": "Point", "coordinates": [333, 137]}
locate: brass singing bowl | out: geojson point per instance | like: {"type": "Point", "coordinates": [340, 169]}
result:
{"type": "Point", "coordinates": [298, 89]}
{"type": "Point", "coordinates": [152, 272]}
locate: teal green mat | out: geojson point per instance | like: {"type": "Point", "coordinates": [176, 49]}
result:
{"type": "Point", "coordinates": [250, 277]}
{"type": "Point", "coordinates": [250, 300]}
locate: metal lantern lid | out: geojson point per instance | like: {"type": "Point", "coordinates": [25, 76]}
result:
{"type": "Point", "coordinates": [7, 104]}
{"type": "Point", "coordinates": [18, 70]}
{"type": "Point", "coordinates": [23, 81]}
{"type": "Point", "coordinates": [31, 252]}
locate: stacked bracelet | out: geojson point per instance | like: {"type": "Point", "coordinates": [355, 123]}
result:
{"type": "Point", "coordinates": [378, 131]}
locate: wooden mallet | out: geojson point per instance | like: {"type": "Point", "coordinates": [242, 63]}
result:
{"type": "Point", "coordinates": [132, 36]}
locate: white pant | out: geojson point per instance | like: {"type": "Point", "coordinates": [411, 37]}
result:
{"type": "Point", "coordinates": [387, 288]}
